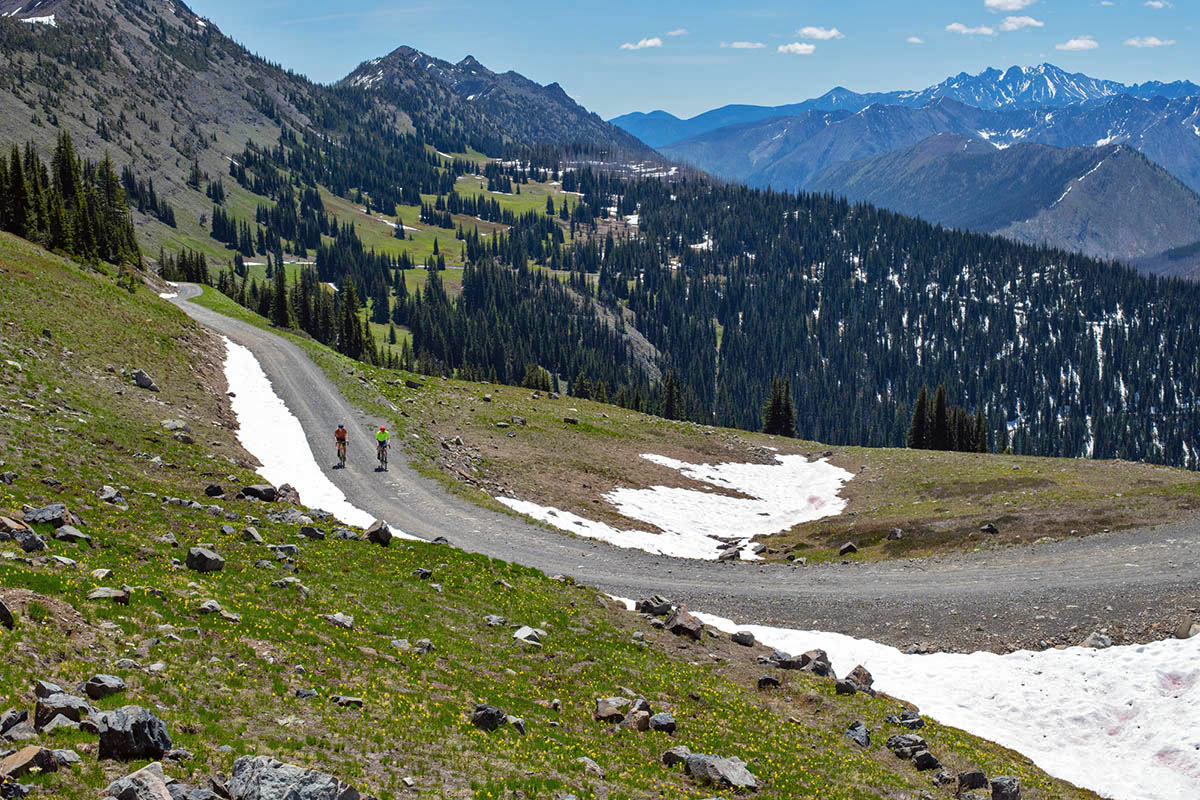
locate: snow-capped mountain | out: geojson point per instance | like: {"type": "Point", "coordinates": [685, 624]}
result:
{"type": "Point", "coordinates": [1044, 86]}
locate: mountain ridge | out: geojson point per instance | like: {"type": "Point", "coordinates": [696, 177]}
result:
{"type": "Point", "coordinates": [1016, 87]}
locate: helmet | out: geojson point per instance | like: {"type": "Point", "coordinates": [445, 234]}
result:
{"type": "Point", "coordinates": [341, 426]}
{"type": "Point", "coordinates": [382, 428]}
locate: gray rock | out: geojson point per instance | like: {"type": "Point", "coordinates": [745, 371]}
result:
{"type": "Point", "coordinates": [637, 721]}
{"type": "Point", "coordinates": [142, 380]}
{"type": "Point", "coordinates": [66, 758]}
{"type": "Point", "coordinates": [859, 734]}
{"type": "Point", "coordinates": [379, 533]}
{"type": "Point", "coordinates": [168, 539]}
{"type": "Point", "coordinates": [101, 686]}
{"type": "Point", "coordinates": [209, 607]}
{"type": "Point", "coordinates": [655, 605]}
{"type": "Point", "coordinates": [6, 617]}
{"type": "Point", "coordinates": [266, 778]}
{"type": "Point", "coordinates": [261, 491]}
{"type": "Point", "coordinates": [8, 477]}
{"type": "Point", "coordinates": [847, 549]}
{"type": "Point", "coordinates": [488, 718]}
{"type": "Point", "coordinates": [591, 766]}
{"type": "Point", "coordinates": [495, 621]}
{"type": "Point", "coordinates": [517, 723]}
{"type": "Point", "coordinates": [20, 732]}
{"type": "Point", "coordinates": [69, 533]}
{"type": "Point", "coordinates": [528, 635]}
{"type": "Point", "coordinates": [309, 532]}
{"type": "Point", "coordinates": [676, 755]}
{"type": "Point", "coordinates": [768, 682]}
{"type": "Point", "coordinates": [11, 718]}
{"type": "Point", "coordinates": [681, 623]}
{"type": "Point", "coordinates": [662, 722]}
{"type": "Point", "coordinates": [132, 732]}
{"type": "Point", "coordinates": [989, 528]}
{"type": "Point", "coordinates": [907, 719]}
{"type": "Point", "coordinates": [971, 779]}
{"type": "Point", "coordinates": [1006, 788]}
{"type": "Point", "coordinates": [346, 702]}
{"type": "Point", "coordinates": [743, 638]}
{"type": "Point", "coordinates": [251, 535]}
{"type": "Point", "coordinates": [214, 490]}
{"type": "Point", "coordinates": [29, 541]}
{"type": "Point", "coordinates": [1097, 641]}
{"type": "Point", "coordinates": [147, 783]}
{"type": "Point", "coordinates": [862, 679]}
{"type": "Point", "coordinates": [46, 689]}
{"type": "Point", "coordinates": [610, 709]}
{"type": "Point", "coordinates": [339, 620]}
{"type": "Point", "coordinates": [423, 646]}
{"type": "Point", "coordinates": [69, 706]}
{"type": "Point", "coordinates": [201, 559]}
{"type": "Point", "coordinates": [846, 687]}
{"type": "Point", "coordinates": [305, 694]}
{"type": "Point", "coordinates": [346, 534]}
{"type": "Point", "coordinates": [924, 761]}
{"type": "Point", "coordinates": [59, 722]}
{"type": "Point", "coordinates": [905, 745]}
{"type": "Point", "coordinates": [724, 773]}
{"type": "Point", "coordinates": [108, 494]}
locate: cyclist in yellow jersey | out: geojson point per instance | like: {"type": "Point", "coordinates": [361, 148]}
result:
{"type": "Point", "coordinates": [383, 440]}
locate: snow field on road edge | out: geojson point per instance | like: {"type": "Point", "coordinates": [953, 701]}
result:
{"type": "Point", "coordinates": [272, 434]}
{"type": "Point", "coordinates": [695, 524]}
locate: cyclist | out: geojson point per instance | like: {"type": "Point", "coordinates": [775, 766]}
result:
{"type": "Point", "coordinates": [340, 437]}
{"type": "Point", "coordinates": [382, 439]}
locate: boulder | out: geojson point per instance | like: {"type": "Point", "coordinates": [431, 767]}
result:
{"type": "Point", "coordinates": [895, 535]}
{"type": "Point", "coordinates": [339, 620]}
{"type": "Point", "coordinates": [121, 595]}
{"type": "Point", "coordinates": [817, 661]}
{"type": "Point", "coordinates": [610, 709]}
{"type": "Point", "coordinates": [488, 718]}
{"type": "Point", "coordinates": [848, 548]}
{"type": "Point", "coordinates": [251, 535]}
{"type": "Point", "coordinates": [266, 778]}
{"type": "Point", "coordinates": [768, 682]}
{"type": "Point", "coordinates": [663, 722]}
{"type": "Point", "coordinates": [261, 491]}
{"type": "Point", "coordinates": [1187, 629]}
{"type": "Point", "coordinates": [676, 755]}
{"type": "Point", "coordinates": [46, 689]}
{"type": "Point", "coordinates": [11, 718]}
{"type": "Point", "coordinates": [147, 783]}
{"type": "Point", "coordinates": [69, 706]}
{"type": "Point", "coordinates": [101, 686]}
{"type": "Point", "coordinates": [905, 745]}
{"type": "Point", "coordinates": [907, 719]}
{"type": "Point", "coordinates": [343, 701]}
{"type": "Point", "coordinates": [29, 541]}
{"type": "Point", "coordinates": [69, 533]}
{"type": "Point", "coordinates": [528, 635]}
{"type": "Point", "coordinates": [309, 532]}
{"type": "Point", "coordinates": [108, 494]}
{"type": "Point", "coordinates": [971, 779]}
{"type": "Point", "coordinates": [743, 638]}
{"type": "Point", "coordinates": [591, 766]}
{"type": "Point", "coordinates": [1097, 641]}
{"type": "Point", "coordinates": [142, 380]}
{"type": "Point", "coordinates": [6, 617]}
{"type": "Point", "coordinates": [638, 721]}
{"type": "Point", "coordinates": [1006, 788]}
{"type": "Point", "coordinates": [132, 732]}
{"type": "Point", "coordinates": [724, 773]}
{"type": "Point", "coordinates": [846, 687]}
{"type": "Point", "coordinates": [201, 559]}
{"type": "Point", "coordinates": [924, 761]}
{"type": "Point", "coordinates": [25, 759]}
{"type": "Point", "coordinates": [66, 758]}
{"type": "Point", "coordinates": [862, 679]}
{"type": "Point", "coordinates": [379, 533]}
{"type": "Point", "coordinates": [859, 734]}
{"type": "Point", "coordinates": [656, 605]}
{"type": "Point", "coordinates": [214, 490]}
{"type": "Point", "coordinates": [20, 732]}
{"type": "Point", "coordinates": [495, 621]}
{"type": "Point", "coordinates": [681, 623]}
{"type": "Point", "coordinates": [989, 528]}
{"type": "Point", "coordinates": [60, 722]}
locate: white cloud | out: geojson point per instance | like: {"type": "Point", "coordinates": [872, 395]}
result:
{"type": "Point", "coordinates": [1149, 41]}
{"type": "Point", "coordinates": [1158, 4]}
{"type": "Point", "coordinates": [1078, 43]}
{"type": "Point", "coordinates": [823, 34]}
{"type": "Point", "coordinates": [642, 44]}
{"type": "Point", "coordinates": [982, 30]}
{"type": "Point", "coordinates": [1017, 23]}
{"type": "Point", "coordinates": [797, 49]}
{"type": "Point", "coordinates": [1108, 3]}
{"type": "Point", "coordinates": [743, 45]}
{"type": "Point", "coordinates": [915, 40]}
{"type": "Point", "coordinates": [1008, 5]}
{"type": "Point", "coordinates": [678, 32]}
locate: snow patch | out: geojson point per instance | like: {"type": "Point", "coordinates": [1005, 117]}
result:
{"type": "Point", "coordinates": [696, 524]}
{"type": "Point", "coordinates": [1124, 722]}
{"type": "Point", "coordinates": [273, 435]}
{"type": "Point", "coordinates": [41, 20]}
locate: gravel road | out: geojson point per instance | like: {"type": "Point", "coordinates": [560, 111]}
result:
{"type": "Point", "coordinates": [1139, 584]}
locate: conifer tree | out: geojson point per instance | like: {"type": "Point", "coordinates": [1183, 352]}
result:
{"type": "Point", "coordinates": [940, 434]}
{"type": "Point", "coordinates": [281, 313]}
{"type": "Point", "coordinates": [918, 431]}
{"type": "Point", "coordinates": [350, 341]}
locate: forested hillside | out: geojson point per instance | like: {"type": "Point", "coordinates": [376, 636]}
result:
{"type": "Point", "coordinates": [628, 282]}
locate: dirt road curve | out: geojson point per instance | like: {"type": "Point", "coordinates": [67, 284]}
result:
{"type": "Point", "coordinates": [1137, 583]}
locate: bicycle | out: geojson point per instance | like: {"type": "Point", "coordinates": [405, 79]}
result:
{"type": "Point", "coordinates": [341, 453]}
{"type": "Point", "coordinates": [382, 454]}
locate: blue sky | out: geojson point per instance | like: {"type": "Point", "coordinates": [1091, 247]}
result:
{"type": "Point", "coordinates": [687, 57]}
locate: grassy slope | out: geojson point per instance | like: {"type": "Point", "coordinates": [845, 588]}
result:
{"type": "Point", "coordinates": [233, 684]}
